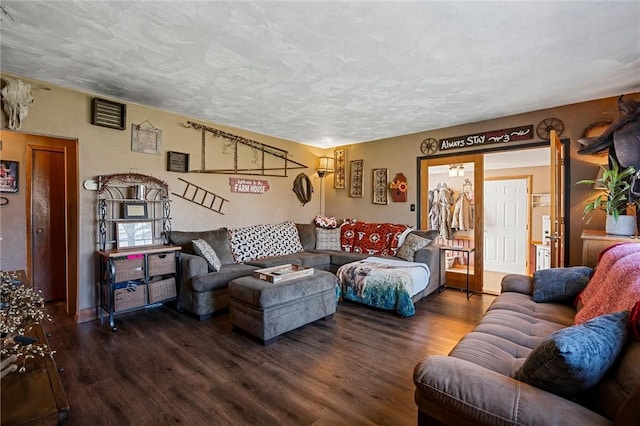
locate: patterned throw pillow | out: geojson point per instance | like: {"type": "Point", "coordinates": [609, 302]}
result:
{"type": "Point", "coordinates": [202, 248]}
{"type": "Point", "coordinates": [260, 241]}
{"type": "Point", "coordinates": [325, 222]}
{"type": "Point", "coordinates": [572, 360]}
{"type": "Point", "coordinates": [328, 239]}
{"type": "Point", "coordinates": [412, 243]}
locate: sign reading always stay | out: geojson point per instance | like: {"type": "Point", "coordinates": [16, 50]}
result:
{"type": "Point", "coordinates": [248, 186]}
{"type": "Point", "coordinates": [495, 136]}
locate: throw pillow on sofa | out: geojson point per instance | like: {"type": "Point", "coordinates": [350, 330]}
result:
{"type": "Point", "coordinates": [558, 284]}
{"type": "Point", "coordinates": [202, 248]}
{"type": "Point", "coordinates": [325, 222]}
{"type": "Point", "coordinates": [574, 359]}
{"type": "Point", "coordinates": [328, 239]}
{"type": "Point", "coordinates": [412, 243]}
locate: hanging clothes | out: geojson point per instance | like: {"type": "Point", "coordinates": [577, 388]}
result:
{"type": "Point", "coordinates": [463, 213]}
{"type": "Point", "coordinates": [434, 209]}
{"type": "Point", "coordinates": [445, 201]}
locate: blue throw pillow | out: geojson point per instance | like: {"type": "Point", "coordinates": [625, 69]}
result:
{"type": "Point", "coordinates": [572, 360]}
{"type": "Point", "coordinates": [558, 284]}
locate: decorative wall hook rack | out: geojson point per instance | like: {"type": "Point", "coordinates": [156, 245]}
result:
{"type": "Point", "coordinates": [260, 148]}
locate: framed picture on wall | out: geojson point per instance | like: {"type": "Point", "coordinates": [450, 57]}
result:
{"type": "Point", "coordinates": [339, 157]}
{"type": "Point", "coordinates": [177, 162]}
{"type": "Point", "coordinates": [380, 186]}
{"type": "Point", "coordinates": [9, 173]}
{"type": "Point", "coordinates": [356, 184]}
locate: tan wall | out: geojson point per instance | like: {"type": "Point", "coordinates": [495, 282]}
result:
{"type": "Point", "coordinates": [399, 154]}
{"type": "Point", "coordinates": [66, 113]}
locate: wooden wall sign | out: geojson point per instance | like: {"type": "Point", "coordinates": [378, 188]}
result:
{"type": "Point", "coordinates": [248, 186]}
{"type": "Point", "coordinates": [493, 137]}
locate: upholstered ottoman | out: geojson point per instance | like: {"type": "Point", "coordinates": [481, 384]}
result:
{"type": "Point", "coordinates": [266, 310]}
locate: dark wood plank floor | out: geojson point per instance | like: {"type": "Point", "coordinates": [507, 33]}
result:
{"type": "Point", "coordinates": [162, 367]}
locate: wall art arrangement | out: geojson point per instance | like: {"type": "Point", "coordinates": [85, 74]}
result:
{"type": "Point", "coordinates": [236, 143]}
{"type": "Point", "coordinates": [340, 158]}
{"type": "Point", "coordinates": [147, 138]}
{"type": "Point", "coordinates": [356, 184]}
{"type": "Point", "coordinates": [177, 162]}
{"type": "Point", "coordinates": [399, 188]}
{"type": "Point", "coordinates": [202, 197]}
{"type": "Point", "coordinates": [9, 176]}
{"type": "Point", "coordinates": [380, 186]}
{"type": "Point", "coordinates": [108, 113]}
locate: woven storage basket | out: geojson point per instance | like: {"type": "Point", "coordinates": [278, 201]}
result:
{"type": "Point", "coordinates": [125, 299]}
{"type": "Point", "coordinates": [161, 264]}
{"type": "Point", "coordinates": [129, 269]}
{"type": "Point", "coordinates": [162, 290]}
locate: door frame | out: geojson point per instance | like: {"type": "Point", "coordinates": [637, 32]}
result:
{"type": "Point", "coordinates": [69, 148]}
{"type": "Point", "coordinates": [528, 178]}
{"type": "Point", "coordinates": [477, 159]}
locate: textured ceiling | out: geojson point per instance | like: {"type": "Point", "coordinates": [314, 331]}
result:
{"type": "Point", "coordinates": [328, 73]}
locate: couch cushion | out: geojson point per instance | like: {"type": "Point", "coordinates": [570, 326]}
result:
{"type": "Point", "coordinates": [307, 234]}
{"type": "Point", "coordinates": [260, 241]}
{"type": "Point", "coordinates": [202, 248]}
{"type": "Point", "coordinates": [574, 359]}
{"type": "Point", "coordinates": [328, 239]}
{"type": "Point", "coordinates": [217, 239]}
{"type": "Point", "coordinates": [512, 326]}
{"type": "Point", "coordinates": [220, 279]}
{"type": "Point", "coordinates": [411, 244]}
{"type": "Point", "coordinates": [558, 284]}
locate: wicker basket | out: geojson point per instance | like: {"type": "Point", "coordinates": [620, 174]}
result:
{"type": "Point", "coordinates": [126, 299]}
{"type": "Point", "coordinates": [129, 268]}
{"type": "Point", "coordinates": [162, 290]}
{"type": "Point", "coordinates": [161, 264]}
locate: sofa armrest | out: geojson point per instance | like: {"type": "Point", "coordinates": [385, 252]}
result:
{"type": "Point", "coordinates": [517, 283]}
{"type": "Point", "coordinates": [456, 391]}
{"type": "Point", "coordinates": [192, 265]}
{"type": "Point", "coordinates": [429, 255]}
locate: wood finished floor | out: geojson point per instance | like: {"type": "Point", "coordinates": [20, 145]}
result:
{"type": "Point", "coordinates": [162, 367]}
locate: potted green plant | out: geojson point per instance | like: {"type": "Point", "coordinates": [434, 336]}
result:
{"type": "Point", "coordinates": [613, 199]}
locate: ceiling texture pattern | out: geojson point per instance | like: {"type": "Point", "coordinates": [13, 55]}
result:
{"type": "Point", "coordinates": [329, 73]}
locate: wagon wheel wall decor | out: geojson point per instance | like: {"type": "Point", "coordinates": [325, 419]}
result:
{"type": "Point", "coordinates": [547, 125]}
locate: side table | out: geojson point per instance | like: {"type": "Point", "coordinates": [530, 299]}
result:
{"type": "Point", "coordinates": [443, 265]}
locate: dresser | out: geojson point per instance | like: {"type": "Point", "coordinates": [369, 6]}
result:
{"type": "Point", "coordinates": [594, 241]}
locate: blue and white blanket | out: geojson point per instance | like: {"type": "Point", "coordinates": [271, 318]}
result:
{"type": "Point", "coordinates": [384, 283]}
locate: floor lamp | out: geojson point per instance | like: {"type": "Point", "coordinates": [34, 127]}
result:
{"type": "Point", "coordinates": [325, 166]}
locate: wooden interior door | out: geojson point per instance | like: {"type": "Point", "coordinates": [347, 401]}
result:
{"type": "Point", "coordinates": [557, 201]}
{"type": "Point", "coordinates": [48, 222]}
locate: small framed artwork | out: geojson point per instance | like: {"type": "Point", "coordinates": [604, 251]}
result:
{"type": "Point", "coordinates": [146, 139]}
{"type": "Point", "coordinates": [9, 173]}
{"type": "Point", "coordinates": [356, 184]}
{"type": "Point", "coordinates": [134, 234]}
{"type": "Point", "coordinates": [134, 210]}
{"type": "Point", "coordinates": [340, 157]}
{"type": "Point", "coordinates": [380, 186]}
{"type": "Point", "coordinates": [177, 162]}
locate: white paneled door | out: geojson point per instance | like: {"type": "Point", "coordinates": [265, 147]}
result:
{"type": "Point", "coordinates": [505, 225]}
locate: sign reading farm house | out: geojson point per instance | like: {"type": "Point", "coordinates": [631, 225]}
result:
{"type": "Point", "coordinates": [495, 136]}
{"type": "Point", "coordinates": [248, 186]}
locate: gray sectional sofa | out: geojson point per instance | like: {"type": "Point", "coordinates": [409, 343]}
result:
{"type": "Point", "coordinates": [203, 293]}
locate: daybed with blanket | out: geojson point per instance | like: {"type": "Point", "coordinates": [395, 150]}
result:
{"type": "Point", "coordinates": [385, 283]}
{"type": "Point", "coordinates": [534, 359]}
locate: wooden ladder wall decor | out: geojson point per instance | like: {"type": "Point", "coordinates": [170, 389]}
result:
{"type": "Point", "coordinates": [264, 149]}
{"type": "Point", "coordinates": [202, 197]}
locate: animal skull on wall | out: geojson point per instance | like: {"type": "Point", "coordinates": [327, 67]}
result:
{"type": "Point", "coordinates": [17, 99]}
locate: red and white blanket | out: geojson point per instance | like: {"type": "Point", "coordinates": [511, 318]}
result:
{"type": "Point", "coordinates": [615, 284]}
